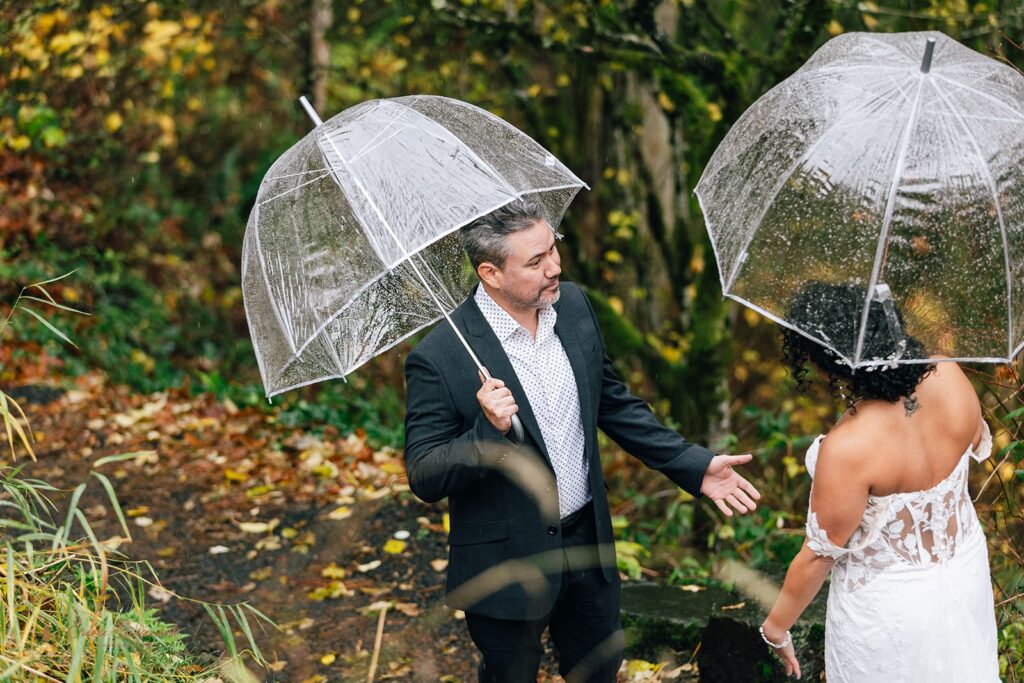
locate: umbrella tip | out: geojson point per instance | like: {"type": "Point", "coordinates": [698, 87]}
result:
{"type": "Point", "coordinates": [312, 112]}
{"type": "Point", "coordinates": [926, 63]}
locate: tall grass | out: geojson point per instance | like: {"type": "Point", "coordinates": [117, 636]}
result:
{"type": "Point", "coordinates": [72, 606]}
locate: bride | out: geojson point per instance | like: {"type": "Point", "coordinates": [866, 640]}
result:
{"type": "Point", "coordinates": [890, 517]}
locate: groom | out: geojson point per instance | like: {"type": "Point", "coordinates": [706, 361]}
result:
{"type": "Point", "coordinates": [531, 543]}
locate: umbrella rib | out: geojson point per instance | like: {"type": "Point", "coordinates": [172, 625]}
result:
{"type": "Point", "coordinates": [784, 178]}
{"type": "Point", "coordinates": [999, 215]}
{"type": "Point", "coordinates": [890, 206]}
{"type": "Point", "coordinates": [981, 93]}
{"type": "Point", "coordinates": [486, 167]}
{"type": "Point", "coordinates": [297, 187]}
{"type": "Point", "coordinates": [296, 175]}
{"type": "Point", "coordinates": [383, 130]}
{"type": "Point", "coordinates": [367, 149]}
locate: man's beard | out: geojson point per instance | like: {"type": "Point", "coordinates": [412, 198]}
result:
{"type": "Point", "coordinates": [543, 299]}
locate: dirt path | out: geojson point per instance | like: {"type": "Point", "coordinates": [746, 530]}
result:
{"type": "Point", "coordinates": [227, 506]}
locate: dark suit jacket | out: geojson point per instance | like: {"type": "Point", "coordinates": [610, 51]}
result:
{"type": "Point", "coordinates": [453, 451]}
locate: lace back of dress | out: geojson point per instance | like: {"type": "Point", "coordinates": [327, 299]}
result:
{"type": "Point", "coordinates": [928, 526]}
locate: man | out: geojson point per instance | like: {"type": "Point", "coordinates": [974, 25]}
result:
{"type": "Point", "coordinates": [531, 543]}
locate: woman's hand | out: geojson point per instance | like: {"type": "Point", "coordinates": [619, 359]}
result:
{"type": "Point", "coordinates": [787, 653]}
{"type": "Point", "coordinates": [788, 657]}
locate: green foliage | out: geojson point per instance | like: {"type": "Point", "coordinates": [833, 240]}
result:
{"type": "Point", "coordinates": [349, 407]}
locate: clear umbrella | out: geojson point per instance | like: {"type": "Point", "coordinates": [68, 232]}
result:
{"type": "Point", "coordinates": [351, 246]}
{"type": "Point", "coordinates": [890, 162]}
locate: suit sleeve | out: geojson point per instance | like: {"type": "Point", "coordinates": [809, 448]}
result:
{"type": "Point", "coordinates": [440, 457]}
{"type": "Point", "coordinates": [629, 422]}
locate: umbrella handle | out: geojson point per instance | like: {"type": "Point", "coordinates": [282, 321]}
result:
{"type": "Point", "coordinates": [517, 432]}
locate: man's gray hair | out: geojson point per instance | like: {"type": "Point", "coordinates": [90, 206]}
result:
{"type": "Point", "coordinates": [485, 239]}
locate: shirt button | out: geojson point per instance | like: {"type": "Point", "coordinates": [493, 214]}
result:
{"type": "Point", "coordinates": [553, 530]}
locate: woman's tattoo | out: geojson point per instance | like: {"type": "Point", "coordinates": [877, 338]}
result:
{"type": "Point", "coordinates": [910, 405]}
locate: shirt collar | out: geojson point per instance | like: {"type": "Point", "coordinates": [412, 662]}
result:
{"type": "Point", "coordinates": [504, 325]}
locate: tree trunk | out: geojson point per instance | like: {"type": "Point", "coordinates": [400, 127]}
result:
{"type": "Point", "coordinates": [320, 51]}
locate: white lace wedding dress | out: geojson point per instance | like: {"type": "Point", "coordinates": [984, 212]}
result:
{"type": "Point", "coordinates": [910, 597]}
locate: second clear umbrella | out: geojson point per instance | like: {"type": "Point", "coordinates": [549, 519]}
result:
{"type": "Point", "coordinates": [893, 163]}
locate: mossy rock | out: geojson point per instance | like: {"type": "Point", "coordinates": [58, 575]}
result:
{"type": "Point", "coordinates": [723, 624]}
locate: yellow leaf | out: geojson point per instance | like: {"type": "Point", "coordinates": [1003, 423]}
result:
{"type": "Point", "coordinates": [19, 143]}
{"type": "Point", "coordinates": [60, 44]}
{"type": "Point", "coordinates": [261, 573]}
{"type": "Point", "coordinates": [533, 90]}
{"type": "Point", "coordinates": [869, 21]}
{"type": "Point", "coordinates": [834, 28]}
{"type": "Point", "coordinates": [394, 546]}
{"type": "Point", "coordinates": [665, 102]}
{"type": "Point", "coordinates": [327, 660]}
{"type": "Point", "coordinates": [232, 475]}
{"type": "Point", "coordinates": [289, 533]}
{"type": "Point", "coordinates": [612, 256]}
{"type": "Point", "coordinates": [113, 121]}
{"type": "Point", "coordinates": [714, 111]}
{"type": "Point", "coordinates": [332, 571]}
{"type": "Point", "coordinates": [340, 513]}
{"type": "Point", "coordinates": [393, 467]}
{"type": "Point", "coordinates": [446, 522]}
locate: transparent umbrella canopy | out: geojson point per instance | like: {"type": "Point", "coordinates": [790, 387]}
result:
{"type": "Point", "coordinates": [351, 246]}
{"type": "Point", "coordinates": [889, 162]}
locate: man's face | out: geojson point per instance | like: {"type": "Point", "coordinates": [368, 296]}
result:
{"type": "Point", "coordinates": [529, 278]}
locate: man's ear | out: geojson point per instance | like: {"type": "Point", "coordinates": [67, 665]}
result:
{"type": "Point", "coordinates": [489, 274]}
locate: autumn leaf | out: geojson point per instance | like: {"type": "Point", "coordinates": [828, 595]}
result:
{"type": "Point", "coordinates": [394, 546]}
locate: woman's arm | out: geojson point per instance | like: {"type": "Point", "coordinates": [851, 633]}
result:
{"type": "Point", "coordinates": [803, 581]}
{"type": "Point", "coordinates": [838, 500]}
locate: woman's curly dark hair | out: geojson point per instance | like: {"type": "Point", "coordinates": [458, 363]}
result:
{"type": "Point", "coordinates": [832, 313]}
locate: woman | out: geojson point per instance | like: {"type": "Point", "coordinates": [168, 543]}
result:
{"type": "Point", "coordinates": [890, 516]}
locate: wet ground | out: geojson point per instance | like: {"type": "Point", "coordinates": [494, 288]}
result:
{"type": "Point", "coordinates": [315, 530]}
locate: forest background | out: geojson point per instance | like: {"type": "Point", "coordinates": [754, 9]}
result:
{"type": "Point", "coordinates": [134, 136]}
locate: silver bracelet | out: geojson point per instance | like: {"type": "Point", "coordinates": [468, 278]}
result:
{"type": "Point", "coordinates": [777, 646]}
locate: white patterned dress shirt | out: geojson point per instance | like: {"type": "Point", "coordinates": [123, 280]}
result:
{"type": "Point", "coordinates": [544, 371]}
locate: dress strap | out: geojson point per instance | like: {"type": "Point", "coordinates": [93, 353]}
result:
{"type": "Point", "coordinates": [811, 457]}
{"type": "Point", "coordinates": [984, 448]}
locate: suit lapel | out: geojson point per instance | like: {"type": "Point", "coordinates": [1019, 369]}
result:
{"type": "Point", "coordinates": [568, 334]}
{"type": "Point", "coordinates": [488, 349]}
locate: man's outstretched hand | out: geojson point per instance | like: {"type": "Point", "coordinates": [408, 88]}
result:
{"type": "Point", "coordinates": [726, 487]}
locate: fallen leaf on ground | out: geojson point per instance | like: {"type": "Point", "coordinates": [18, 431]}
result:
{"type": "Point", "coordinates": [738, 605]}
{"type": "Point", "coordinates": [407, 608]}
{"type": "Point", "coordinates": [332, 571]}
{"type": "Point", "coordinates": [368, 566]}
{"type": "Point", "coordinates": [690, 588]}
{"type": "Point", "coordinates": [219, 549]}
{"type": "Point", "coordinates": [160, 594]}
{"type": "Point", "coordinates": [439, 565]}
{"type": "Point", "coordinates": [258, 527]}
{"type": "Point", "coordinates": [340, 513]}
{"type": "Point", "coordinates": [394, 546]}
{"type": "Point", "coordinates": [376, 606]}
{"type": "Point", "coordinates": [328, 659]}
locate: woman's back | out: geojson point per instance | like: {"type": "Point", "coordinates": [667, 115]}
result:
{"type": "Point", "coordinates": [912, 446]}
